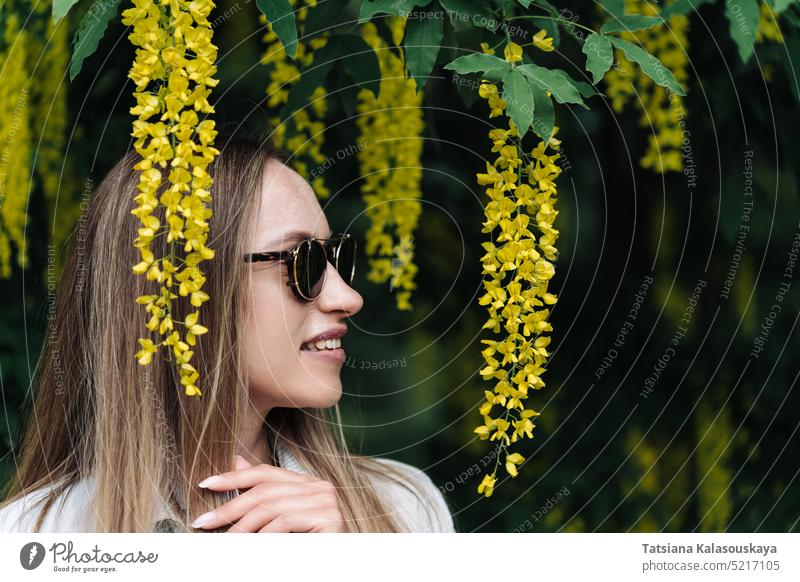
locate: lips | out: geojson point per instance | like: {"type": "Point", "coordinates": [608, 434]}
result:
{"type": "Point", "coordinates": [328, 339]}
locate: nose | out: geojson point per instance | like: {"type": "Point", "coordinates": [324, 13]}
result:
{"type": "Point", "coordinates": [336, 295]}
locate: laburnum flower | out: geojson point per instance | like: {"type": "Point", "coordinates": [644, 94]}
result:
{"type": "Point", "coordinates": [304, 134]}
{"type": "Point", "coordinates": [145, 356]}
{"type": "Point", "coordinates": [46, 44]}
{"type": "Point", "coordinates": [173, 72]}
{"type": "Point", "coordinates": [661, 111]}
{"type": "Point", "coordinates": [543, 42]}
{"type": "Point", "coordinates": [512, 461]}
{"type": "Point", "coordinates": [487, 485]}
{"type": "Point", "coordinates": [517, 268]}
{"type": "Point", "coordinates": [513, 52]}
{"type": "Point", "coordinates": [768, 28]}
{"type": "Point", "coordinates": [15, 137]}
{"type": "Point", "coordinates": [390, 128]}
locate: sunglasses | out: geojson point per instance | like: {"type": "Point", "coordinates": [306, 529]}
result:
{"type": "Point", "coordinates": [307, 262]}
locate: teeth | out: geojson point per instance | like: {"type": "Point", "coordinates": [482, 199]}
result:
{"type": "Point", "coordinates": [328, 344]}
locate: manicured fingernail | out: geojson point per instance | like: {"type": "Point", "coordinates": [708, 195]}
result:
{"type": "Point", "coordinates": [238, 457]}
{"type": "Point", "coordinates": [203, 519]}
{"type": "Point", "coordinates": [213, 480]}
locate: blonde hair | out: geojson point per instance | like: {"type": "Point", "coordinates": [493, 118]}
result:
{"type": "Point", "coordinates": [97, 412]}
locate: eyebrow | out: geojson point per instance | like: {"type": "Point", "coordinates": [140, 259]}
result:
{"type": "Point", "coordinates": [296, 236]}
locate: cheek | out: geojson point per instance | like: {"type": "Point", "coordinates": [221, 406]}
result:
{"type": "Point", "coordinates": [278, 373]}
{"type": "Point", "coordinates": [272, 335]}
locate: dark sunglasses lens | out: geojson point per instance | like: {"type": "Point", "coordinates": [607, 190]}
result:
{"type": "Point", "coordinates": [310, 267]}
{"type": "Point", "coordinates": [347, 259]}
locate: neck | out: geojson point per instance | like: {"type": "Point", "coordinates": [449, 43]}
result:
{"type": "Point", "coordinates": [253, 444]}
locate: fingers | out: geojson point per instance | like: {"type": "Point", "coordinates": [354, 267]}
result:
{"type": "Point", "coordinates": [266, 495]}
{"type": "Point", "coordinates": [293, 501]}
{"type": "Point", "coordinates": [301, 510]}
{"type": "Point", "coordinates": [321, 521]}
{"type": "Point", "coordinates": [252, 476]}
{"type": "Point", "coordinates": [240, 463]}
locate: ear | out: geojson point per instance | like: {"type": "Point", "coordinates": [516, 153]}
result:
{"type": "Point", "coordinates": [239, 463]}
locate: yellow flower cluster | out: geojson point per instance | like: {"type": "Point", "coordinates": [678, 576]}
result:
{"type": "Point", "coordinates": [15, 145]}
{"type": "Point", "coordinates": [517, 268]}
{"type": "Point", "coordinates": [390, 126]}
{"type": "Point", "coordinates": [173, 72]}
{"type": "Point", "coordinates": [659, 107]}
{"type": "Point", "coordinates": [49, 95]}
{"type": "Point", "coordinates": [32, 115]}
{"type": "Point", "coordinates": [768, 28]}
{"type": "Point", "coordinates": [716, 445]}
{"type": "Point", "coordinates": [307, 137]}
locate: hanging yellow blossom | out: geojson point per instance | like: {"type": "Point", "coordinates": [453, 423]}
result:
{"type": "Point", "coordinates": [15, 145]}
{"type": "Point", "coordinates": [659, 107]}
{"type": "Point", "coordinates": [173, 72]}
{"type": "Point", "coordinates": [543, 42]}
{"type": "Point", "coordinates": [768, 28]}
{"type": "Point", "coordinates": [517, 268]}
{"type": "Point", "coordinates": [50, 53]}
{"type": "Point", "coordinates": [304, 135]}
{"type": "Point", "coordinates": [390, 127]}
{"type": "Point", "coordinates": [487, 485]}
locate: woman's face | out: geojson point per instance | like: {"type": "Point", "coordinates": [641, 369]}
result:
{"type": "Point", "coordinates": [281, 373]}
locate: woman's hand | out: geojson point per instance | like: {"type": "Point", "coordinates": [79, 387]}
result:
{"type": "Point", "coordinates": [276, 500]}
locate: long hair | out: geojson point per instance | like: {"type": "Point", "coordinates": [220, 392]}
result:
{"type": "Point", "coordinates": [98, 413]}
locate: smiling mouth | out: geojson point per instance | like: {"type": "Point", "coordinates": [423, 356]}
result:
{"type": "Point", "coordinates": [322, 345]}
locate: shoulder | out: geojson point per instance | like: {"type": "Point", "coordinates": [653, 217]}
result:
{"type": "Point", "coordinates": [70, 512]}
{"type": "Point", "coordinates": [412, 496]}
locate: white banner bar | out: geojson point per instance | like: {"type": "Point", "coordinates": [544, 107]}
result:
{"type": "Point", "coordinates": [401, 557]}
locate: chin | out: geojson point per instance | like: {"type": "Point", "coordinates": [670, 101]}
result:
{"type": "Point", "coordinates": [325, 398]}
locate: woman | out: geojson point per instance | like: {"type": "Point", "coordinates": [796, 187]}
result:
{"type": "Point", "coordinates": [113, 446]}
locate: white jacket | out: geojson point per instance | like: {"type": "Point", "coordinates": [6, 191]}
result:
{"type": "Point", "coordinates": [73, 511]}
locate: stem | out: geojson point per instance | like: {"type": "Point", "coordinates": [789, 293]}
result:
{"type": "Point", "coordinates": [554, 19]}
{"type": "Point", "coordinates": [501, 445]}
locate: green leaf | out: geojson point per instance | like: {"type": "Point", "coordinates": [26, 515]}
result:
{"type": "Point", "coordinates": [90, 31]}
{"type": "Point", "coordinates": [546, 5]}
{"type": "Point", "coordinates": [543, 114]}
{"type": "Point", "coordinates": [357, 58]}
{"type": "Point", "coordinates": [743, 17]}
{"type": "Point", "coordinates": [525, 3]}
{"type": "Point", "coordinates": [322, 16]}
{"type": "Point", "coordinates": [781, 5]}
{"type": "Point", "coordinates": [792, 41]}
{"type": "Point", "coordinates": [507, 8]}
{"type": "Point", "coordinates": [585, 89]}
{"type": "Point", "coordinates": [394, 7]}
{"type": "Point", "coordinates": [519, 99]}
{"type": "Point", "coordinates": [469, 13]}
{"type": "Point", "coordinates": [614, 7]}
{"type": "Point", "coordinates": [360, 61]}
{"type": "Point", "coordinates": [682, 7]}
{"type": "Point", "coordinates": [280, 15]}
{"type": "Point", "coordinates": [421, 44]}
{"type": "Point", "coordinates": [477, 63]}
{"type": "Point", "coordinates": [650, 65]}
{"type": "Point", "coordinates": [468, 94]}
{"type": "Point", "coordinates": [311, 77]}
{"type": "Point", "coordinates": [559, 83]}
{"type": "Point", "coordinates": [61, 7]}
{"type": "Point", "coordinates": [599, 55]}
{"type": "Point", "coordinates": [630, 23]}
